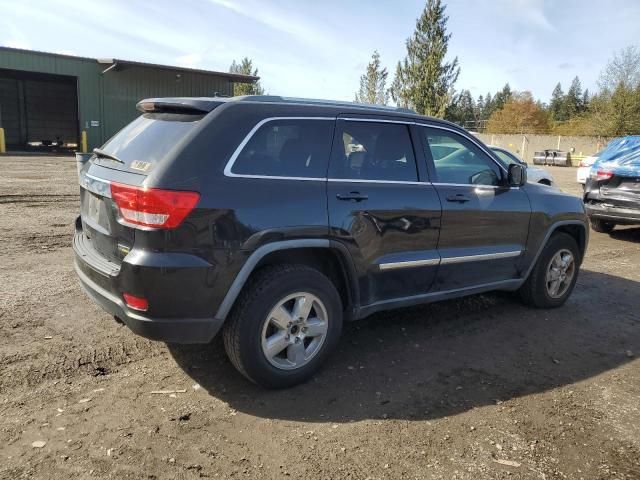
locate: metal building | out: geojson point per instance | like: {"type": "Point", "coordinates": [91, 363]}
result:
{"type": "Point", "coordinates": [50, 100]}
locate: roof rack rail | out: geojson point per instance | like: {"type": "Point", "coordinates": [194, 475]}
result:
{"type": "Point", "coordinates": [316, 101]}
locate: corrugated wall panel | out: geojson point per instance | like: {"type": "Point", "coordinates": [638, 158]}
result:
{"type": "Point", "coordinates": [86, 71]}
{"type": "Point", "coordinates": [125, 87]}
{"type": "Point", "coordinates": [9, 101]}
{"type": "Point", "coordinates": [110, 99]}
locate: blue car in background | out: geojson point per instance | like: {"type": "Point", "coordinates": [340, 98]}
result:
{"type": "Point", "coordinates": [612, 190]}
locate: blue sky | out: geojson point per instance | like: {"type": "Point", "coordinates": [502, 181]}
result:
{"type": "Point", "coordinates": [320, 48]}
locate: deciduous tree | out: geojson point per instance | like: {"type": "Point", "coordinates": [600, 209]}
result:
{"type": "Point", "coordinates": [520, 114]}
{"type": "Point", "coordinates": [622, 68]}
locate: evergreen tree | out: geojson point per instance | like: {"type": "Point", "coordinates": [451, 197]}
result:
{"type": "Point", "coordinates": [396, 89]}
{"type": "Point", "coordinates": [556, 104]}
{"type": "Point", "coordinates": [245, 67]}
{"type": "Point", "coordinates": [502, 97]}
{"type": "Point", "coordinates": [424, 79]}
{"type": "Point", "coordinates": [462, 110]}
{"type": "Point", "coordinates": [467, 107]}
{"type": "Point", "coordinates": [479, 110]}
{"type": "Point", "coordinates": [373, 84]}
{"type": "Point", "coordinates": [573, 99]}
{"type": "Point", "coordinates": [488, 106]}
{"type": "Point", "coordinates": [585, 100]}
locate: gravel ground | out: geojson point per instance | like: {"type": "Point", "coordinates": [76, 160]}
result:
{"type": "Point", "coordinates": [475, 388]}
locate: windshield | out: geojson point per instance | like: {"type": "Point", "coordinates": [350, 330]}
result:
{"type": "Point", "coordinates": [147, 140]}
{"type": "Point", "coordinates": [506, 157]}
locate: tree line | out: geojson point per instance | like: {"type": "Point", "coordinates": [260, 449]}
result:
{"type": "Point", "coordinates": [425, 81]}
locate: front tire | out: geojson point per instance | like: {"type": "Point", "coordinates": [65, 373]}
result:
{"type": "Point", "coordinates": [554, 275]}
{"type": "Point", "coordinates": [285, 324]}
{"type": "Point", "coordinates": [601, 226]}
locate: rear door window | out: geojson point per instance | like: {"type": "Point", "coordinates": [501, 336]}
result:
{"type": "Point", "coordinates": [373, 151]}
{"type": "Point", "coordinates": [147, 140]}
{"type": "Point", "coordinates": [287, 148]}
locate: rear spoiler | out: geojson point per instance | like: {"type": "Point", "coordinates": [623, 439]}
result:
{"type": "Point", "coordinates": [189, 106]}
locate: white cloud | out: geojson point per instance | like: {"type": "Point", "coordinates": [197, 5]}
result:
{"type": "Point", "coordinates": [190, 60]}
{"type": "Point", "coordinates": [529, 12]}
{"type": "Point", "coordinates": [15, 37]}
{"type": "Point", "coordinates": [277, 19]}
{"type": "Point", "coordinates": [16, 44]}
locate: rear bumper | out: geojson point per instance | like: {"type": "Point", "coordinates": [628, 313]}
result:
{"type": "Point", "coordinates": [180, 288]}
{"type": "Point", "coordinates": [173, 330]}
{"type": "Point", "coordinates": [612, 213]}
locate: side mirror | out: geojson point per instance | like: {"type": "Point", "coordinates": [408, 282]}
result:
{"type": "Point", "coordinates": [517, 175]}
{"type": "Point", "coordinates": [525, 164]}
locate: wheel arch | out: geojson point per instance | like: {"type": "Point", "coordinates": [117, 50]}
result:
{"type": "Point", "coordinates": [579, 233]}
{"type": "Point", "coordinates": [329, 257]}
{"type": "Point", "coordinates": [577, 229]}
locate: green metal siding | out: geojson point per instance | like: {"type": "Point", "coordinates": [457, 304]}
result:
{"type": "Point", "coordinates": [10, 102]}
{"type": "Point", "coordinates": [122, 89]}
{"type": "Point", "coordinates": [86, 71]}
{"type": "Point", "coordinates": [110, 98]}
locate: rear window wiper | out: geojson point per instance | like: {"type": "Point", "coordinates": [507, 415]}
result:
{"type": "Point", "coordinates": [102, 154]}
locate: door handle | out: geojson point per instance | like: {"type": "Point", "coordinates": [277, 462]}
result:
{"type": "Point", "coordinates": [357, 196]}
{"type": "Point", "coordinates": [458, 197]}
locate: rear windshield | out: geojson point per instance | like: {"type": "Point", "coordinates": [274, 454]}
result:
{"type": "Point", "coordinates": [147, 140]}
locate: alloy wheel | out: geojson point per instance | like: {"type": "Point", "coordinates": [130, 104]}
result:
{"type": "Point", "coordinates": [560, 272]}
{"type": "Point", "coordinates": [294, 331]}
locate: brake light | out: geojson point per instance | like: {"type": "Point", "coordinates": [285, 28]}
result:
{"type": "Point", "coordinates": [137, 303]}
{"type": "Point", "coordinates": [153, 207]}
{"type": "Point", "coordinates": [601, 174]}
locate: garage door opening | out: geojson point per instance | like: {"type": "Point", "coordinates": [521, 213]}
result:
{"type": "Point", "coordinates": [39, 112]}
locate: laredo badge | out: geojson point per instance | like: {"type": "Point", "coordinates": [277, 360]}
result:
{"type": "Point", "coordinates": [140, 165]}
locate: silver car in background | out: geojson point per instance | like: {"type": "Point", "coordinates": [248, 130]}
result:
{"type": "Point", "coordinates": [534, 174]}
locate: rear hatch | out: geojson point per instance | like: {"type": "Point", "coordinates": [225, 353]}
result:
{"type": "Point", "coordinates": [619, 177]}
{"type": "Point", "coordinates": [111, 184]}
{"type": "Point", "coordinates": [621, 191]}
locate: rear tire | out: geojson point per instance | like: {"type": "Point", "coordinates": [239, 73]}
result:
{"type": "Point", "coordinates": [269, 315]}
{"type": "Point", "coordinates": [601, 226]}
{"type": "Point", "coordinates": [550, 282]}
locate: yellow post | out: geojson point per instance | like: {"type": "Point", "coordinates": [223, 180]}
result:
{"type": "Point", "coordinates": [3, 145]}
{"type": "Point", "coordinates": [83, 141]}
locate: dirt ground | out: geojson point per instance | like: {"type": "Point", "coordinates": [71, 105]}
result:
{"type": "Point", "coordinates": [475, 388]}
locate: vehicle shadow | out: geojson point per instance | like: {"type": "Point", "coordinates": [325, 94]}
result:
{"type": "Point", "coordinates": [445, 358]}
{"type": "Point", "coordinates": [628, 234]}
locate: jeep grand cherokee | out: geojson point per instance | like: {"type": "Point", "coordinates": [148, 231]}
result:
{"type": "Point", "coordinates": [273, 219]}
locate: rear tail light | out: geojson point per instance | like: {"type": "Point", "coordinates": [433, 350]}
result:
{"type": "Point", "coordinates": [601, 174]}
{"type": "Point", "coordinates": [153, 207]}
{"type": "Point", "coordinates": [136, 303]}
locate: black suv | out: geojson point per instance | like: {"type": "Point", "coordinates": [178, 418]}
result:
{"type": "Point", "coordinates": [274, 219]}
